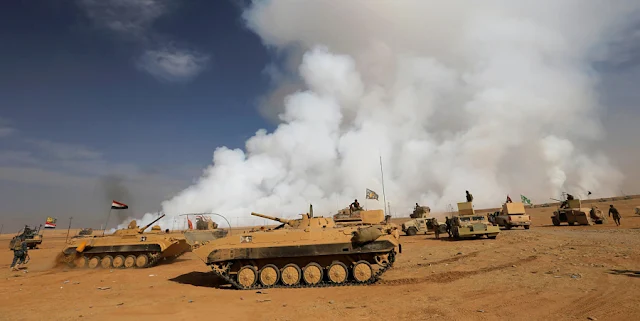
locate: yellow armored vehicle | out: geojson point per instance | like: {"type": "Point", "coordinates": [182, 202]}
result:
{"type": "Point", "coordinates": [305, 252]}
{"type": "Point", "coordinates": [469, 225]}
{"type": "Point", "coordinates": [345, 217]}
{"type": "Point", "coordinates": [572, 212]}
{"type": "Point", "coordinates": [126, 248]}
{"type": "Point", "coordinates": [206, 229]}
{"type": "Point", "coordinates": [32, 236]}
{"type": "Point", "coordinates": [511, 215]}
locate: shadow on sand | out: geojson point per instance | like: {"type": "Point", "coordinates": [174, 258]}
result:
{"type": "Point", "coordinates": [202, 279]}
{"type": "Point", "coordinates": [629, 273]}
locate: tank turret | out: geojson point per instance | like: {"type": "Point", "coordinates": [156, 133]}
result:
{"type": "Point", "coordinates": [306, 221]}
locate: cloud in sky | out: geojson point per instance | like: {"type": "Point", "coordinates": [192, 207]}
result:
{"type": "Point", "coordinates": [173, 65]}
{"type": "Point", "coordinates": [133, 19]}
{"type": "Point", "coordinates": [5, 129]}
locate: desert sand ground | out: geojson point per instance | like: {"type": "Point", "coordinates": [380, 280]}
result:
{"type": "Point", "coordinates": [545, 273]}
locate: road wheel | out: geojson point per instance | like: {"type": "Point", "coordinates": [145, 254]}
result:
{"type": "Point", "coordinates": [338, 272]}
{"type": "Point", "coordinates": [247, 276]}
{"type": "Point", "coordinates": [312, 273]}
{"type": "Point", "coordinates": [118, 262]}
{"type": "Point", "coordinates": [290, 274]}
{"type": "Point", "coordinates": [412, 231]}
{"type": "Point", "coordinates": [106, 262]}
{"type": "Point", "coordinates": [269, 275]}
{"type": "Point", "coordinates": [507, 226]}
{"type": "Point", "coordinates": [94, 261]}
{"type": "Point", "coordinates": [493, 237]}
{"type": "Point", "coordinates": [81, 261]}
{"type": "Point", "coordinates": [130, 261]}
{"type": "Point", "coordinates": [526, 227]}
{"type": "Point", "coordinates": [142, 260]}
{"type": "Point", "coordinates": [555, 221]}
{"type": "Point", "coordinates": [362, 271]}
{"type": "Point", "coordinates": [571, 223]}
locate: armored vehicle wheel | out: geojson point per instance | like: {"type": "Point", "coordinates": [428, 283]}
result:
{"type": "Point", "coordinates": [493, 237]}
{"type": "Point", "coordinates": [382, 259]}
{"type": "Point", "coordinates": [508, 226]}
{"type": "Point", "coordinates": [106, 262]}
{"type": "Point", "coordinates": [118, 261]}
{"type": "Point", "coordinates": [291, 274]}
{"type": "Point", "coordinates": [80, 262]}
{"type": "Point", "coordinates": [412, 231]}
{"type": "Point", "coordinates": [312, 273]}
{"type": "Point", "coordinates": [130, 261]}
{"type": "Point", "coordinates": [362, 271]}
{"type": "Point", "coordinates": [247, 276]}
{"type": "Point", "coordinates": [526, 227]}
{"type": "Point", "coordinates": [338, 272]}
{"type": "Point", "coordinates": [555, 221]}
{"type": "Point", "coordinates": [571, 223]}
{"type": "Point", "coordinates": [269, 275]}
{"type": "Point", "coordinates": [142, 260]}
{"type": "Point", "coordinates": [94, 261]}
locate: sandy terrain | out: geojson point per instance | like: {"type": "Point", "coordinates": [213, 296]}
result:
{"type": "Point", "coordinates": [545, 273]}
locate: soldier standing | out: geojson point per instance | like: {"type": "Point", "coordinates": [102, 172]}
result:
{"type": "Point", "coordinates": [448, 222]}
{"type": "Point", "coordinates": [616, 214]}
{"type": "Point", "coordinates": [469, 197]}
{"type": "Point", "coordinates": [436, 228]}
{"type": "Point", "coordinates": [19, 253]}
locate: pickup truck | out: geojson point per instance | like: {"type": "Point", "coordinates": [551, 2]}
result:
{"type": "Point", "coordinates": [511, 215]}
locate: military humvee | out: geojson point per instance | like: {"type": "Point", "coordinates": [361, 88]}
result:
{"type": "Point", "coordinates": [467, 224]}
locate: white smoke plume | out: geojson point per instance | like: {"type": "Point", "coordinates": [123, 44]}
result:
{"type": "Point", "coordinates": [494, 97]}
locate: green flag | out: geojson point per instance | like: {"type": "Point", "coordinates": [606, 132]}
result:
{"type": "Point", "coordinates": [525, 199]}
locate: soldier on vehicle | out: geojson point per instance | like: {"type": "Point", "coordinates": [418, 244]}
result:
{"type": "Point", "coordinates": [616, 214]}
{"type": "Point", "coordinates": [509, 199]}
{"type": "Point", "coordinates": [355, 206]}
{"type": "Point", "coordinates": [19, 253]}
{"type": "Point", "coordinates": [469, 197]}
{"type": "Point", "coordinates": [417, 206]}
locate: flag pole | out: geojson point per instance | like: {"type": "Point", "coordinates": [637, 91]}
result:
{"type": "Point", "coordinates": [105, 224]}
{"type": "Point", "coordinates": [383, 193]}
{"type": "Point", "coordinates": [68, 229]}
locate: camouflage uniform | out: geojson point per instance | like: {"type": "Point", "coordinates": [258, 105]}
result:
{"type": "Point", "coordinates": [616, 214]}
{"type": "Point", "coordinates": [19, 254]}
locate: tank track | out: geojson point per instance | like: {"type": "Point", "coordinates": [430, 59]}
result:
{"type": "Point", "coordinates": [323, 284]}
{"type": "Point", "coordinates": [154, 259]}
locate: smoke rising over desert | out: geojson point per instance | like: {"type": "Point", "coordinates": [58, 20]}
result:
{"type": "Point", "coordinates": [494, 97]}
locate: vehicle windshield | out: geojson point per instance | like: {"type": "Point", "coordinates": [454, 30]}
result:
{"type": "Point", "coordinates": [478, 218]}
{"type": "Point", "coordinates": [465, 219]}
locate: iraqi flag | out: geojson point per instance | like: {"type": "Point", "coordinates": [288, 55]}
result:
{"type": "Point", "coordinates": [50, 223]}
{"type": "Point", "coordinates": [118, 206]}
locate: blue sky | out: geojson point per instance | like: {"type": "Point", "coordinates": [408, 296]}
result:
{"type": "Point", "coordinates": [78, 100]}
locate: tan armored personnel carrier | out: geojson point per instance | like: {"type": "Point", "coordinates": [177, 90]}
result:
{"type": "Point", "coordinates": [306, 252]}
{"type": "Point", "coordinates": [511, 215]}
{"type": "Point", "coordinates": [206, 229]}
{"type": "Point", "coordinates": [572, 212]}
{"type": "Point", "coordinates": [345, 217]}
{"type": "Point", "coordinates": [32, 236]}
{"type": "Point", "coordinates": [126, 248]}
{"type": "Point", "coordinates": [469, 225]}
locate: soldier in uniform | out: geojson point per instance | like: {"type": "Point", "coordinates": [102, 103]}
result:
{"type": "Point", "coordinates": [356, 206]}
{"type": "Point", "coordinates": [509, 199]}
{"type": "Point", "coordinates": [616, 215]}
{"type": "Point", "coordinates": [469, 197]}
{"type": "Point", "coordinates": [436, 227]}
{"type": "Point", "coordinates": [19, 253]}
{"type": "Point", "coordinates": [448, 222]}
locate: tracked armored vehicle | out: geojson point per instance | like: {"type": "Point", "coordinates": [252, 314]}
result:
{"type": "Point", "coordinates": [360, 217]}
{"type": "Point", "coordinates": [206, 229]}
{"type": "Point", "coordinates": [32, 236]}
{"type": "Point", "coordinates": [467, 224]}
{"type": "Point", "coordinates": [572, 212]}
{"type": "Point", "coordinates": [126, 248]}
{"type": "Point", "coordinates": [306, 252]}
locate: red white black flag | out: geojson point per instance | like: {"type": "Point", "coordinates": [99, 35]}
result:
{"type": "Point", "coordinates": [118, 206]}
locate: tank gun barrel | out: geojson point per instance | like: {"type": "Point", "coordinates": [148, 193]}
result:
{"type": "Point", "coordinates": [141, 230]}
{"type": "Point", "coordinates": [277, 219]}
